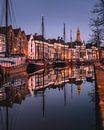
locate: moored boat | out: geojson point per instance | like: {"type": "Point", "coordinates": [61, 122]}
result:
{"type": "Point", "coordinates": [34, 65]}
{"type": "Point", "coordinates": [13, 64]}
{"type": "Point", "coordinates": [9, 63]}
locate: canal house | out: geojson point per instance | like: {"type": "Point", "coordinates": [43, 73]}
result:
{"type": "Point", "coordinates": [2, 45]}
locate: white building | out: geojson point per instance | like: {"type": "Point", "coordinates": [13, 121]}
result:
{"type": "Point", "coordinates": [2, 45]}
{"type": "Point", "coordinates": [31, 47]}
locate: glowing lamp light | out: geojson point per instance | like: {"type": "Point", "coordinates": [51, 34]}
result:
{"type": "Point", "coordinates": [15, 49]}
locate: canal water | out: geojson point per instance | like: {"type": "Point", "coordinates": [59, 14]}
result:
{"type": "Point", "coordinates": [54, 99]}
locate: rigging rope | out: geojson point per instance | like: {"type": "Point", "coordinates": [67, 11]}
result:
{"type": "Point", "coordinates": [11, 13]}
{"type": "Point", "coordinates": [2, 11]}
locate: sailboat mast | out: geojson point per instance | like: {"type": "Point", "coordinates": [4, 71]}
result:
{"type": "Point", "coordinates": [64, 33]}
{"type": "Point", "coordinates": [43, 34]}
{"type": "Point", "coordinates": [43, 26]}
{"type": "Point", "coordinates": [64, 38]}
{"type": "Point", "coordinates": [71, 43]}
{"type": "Point", "coordinates": [6, 22]}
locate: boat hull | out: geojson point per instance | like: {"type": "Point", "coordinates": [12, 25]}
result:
{"type": "Point", "coordinates": [59, 64]}
{"type": "Point", "coordinates": [33, 67]}
{"type": "Point", "coordinates": [14, 69]}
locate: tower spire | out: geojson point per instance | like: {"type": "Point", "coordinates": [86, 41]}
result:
{"type": "Point", "coordinates": [78, 35]}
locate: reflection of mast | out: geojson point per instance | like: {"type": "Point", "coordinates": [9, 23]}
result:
{"type": "Point", "coordinates": [7, 100]}
{"type": "Point", "coordinates": [64, 90]}
{"type": "Point", "coordinates": [43, 103]}
{"type": "Point", "coordinates": [71, 91]}
{"type": "Point", "coordinates": [71, 63]}
{"type": "Point", "coordinates": [64, 38]}
{"type": "Point", "coordinates": [65, 103]}
{"type": "Point", "coordinates": [43, 98]}
{"type": "Point", "coordinates": [71, 84]}
{"type": "Point", "coordinates": [7, 126]}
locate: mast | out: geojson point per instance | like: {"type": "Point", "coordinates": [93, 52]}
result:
{"type": "Point", "coordinates": [43, 34]}
{"type": "Point", "coordinates": [64, 38]}
{"type": "Point", "coordinates": [7, 90]}
{"type": "Point", "coordinates": [71, 43]}
{"type": "Point", "coordinates": [64, 33]}
{"type": "Point", "coordinates": [6, 22]}
{"type": "Point", "coordinates": [43, 26]}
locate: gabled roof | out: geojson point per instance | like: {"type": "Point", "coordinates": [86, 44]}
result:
{"type": "Point", "coordinates": [3, 29]}
{"type": "Point", "coordinates": [71, 44]}
{"type": "Point", "coordinates": [78, 43]}
{"type": "Point", "coordinates": [89, 45]}
{"type": "Point", "coordinates": [16, 31]}
{"type": "Point", "coordinates": [28, 37]}
{"type": "Point", "coordinates": [52, 41]}
{"type": "Point", "coordinates": [39, 37]}
{"type": "Point", "coordinates": [23, 32]}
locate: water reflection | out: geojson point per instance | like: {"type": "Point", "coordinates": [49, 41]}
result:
{"type": "Point", "coordinates": [58, 78]}
{"type": "Point", "coordinates": [50, 100]}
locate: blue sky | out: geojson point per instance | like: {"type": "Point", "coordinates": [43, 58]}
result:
{"type": "Point", "coordinates": [73, 12]}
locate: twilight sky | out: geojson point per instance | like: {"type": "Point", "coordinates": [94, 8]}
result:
{"type": "Point", "coordinates": [73, 12]}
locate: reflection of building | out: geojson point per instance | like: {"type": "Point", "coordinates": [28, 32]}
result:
{"type": "Point", "coordinates": [16, 88]}
{"type": "Point", "coordinates": [54, 78]}
{"type": "Point", "coordinates": [41, 80]}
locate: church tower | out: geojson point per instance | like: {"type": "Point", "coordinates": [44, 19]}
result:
{"type": "Point", "coordinates": [78, 35]}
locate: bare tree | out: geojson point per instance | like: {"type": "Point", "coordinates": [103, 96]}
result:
{"type": "Point", "coordinates": [97, 23]}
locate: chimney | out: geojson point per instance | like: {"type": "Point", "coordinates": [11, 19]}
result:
{"type": "Point", "coordinates": [35, 34]}
{"type": "Point", "coordinates": [58, 38]}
